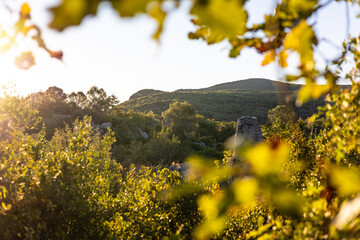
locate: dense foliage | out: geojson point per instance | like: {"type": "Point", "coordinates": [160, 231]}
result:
{"type": "Point", "coordinates": [297, 184]}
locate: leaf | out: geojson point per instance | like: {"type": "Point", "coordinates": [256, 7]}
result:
{"type": "Point", "coordinates": [25, 60]}
{"type": "Point", "coordinates": [268, 58]}
{"type": "Point", "coordinates": [227, 18]}
{"type": "Point", "coordinates": [345, 180]}
{"type": "Point", "coordinates": [311, 91]}
{"type": "Point", "coordinates": [56, 54]}
{"type": "Point", "coordinates": [245, 190]}
{"type": "Point", "coordinates": [301, 39]}
{"type": "Point", "coordinates": [159, 15]}
{"type": "Point", "coordinates": [266, 159]}
{"type": "Point", "coordinates": [129, 8]}
{"type": "Point", "coordinates": [25, 9]}
{"type": "Point", "coordinates": [72, 12]}
{"type": "Point", "coordinates": [5, 206]}
{"type": "Point", "coordinates": [283, 58]}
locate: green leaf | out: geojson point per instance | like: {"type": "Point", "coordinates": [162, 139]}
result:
{"type": "Point", "coordinates": [345, 180]}
{"type": "Point", "coordinates": [159, 15]}
{"type": "Point", "coordinates": [227, 18]}
{"type": "Point", "coordinates": [129, 8]}
{"type": "Point", "coordinates": [301, 39]}
{"type": "Point", "coordinates": [72, 12]}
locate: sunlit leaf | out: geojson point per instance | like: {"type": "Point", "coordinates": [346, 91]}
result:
{"type": "Point", "coordinates": [227, 18]}
{"type": "Point", "coordinates": [159, 15]}
{"type": "Point", "coordinates": [266, 158]}
{"type": "Point", "coordinates": [210, 227]}
{"type": "Point", "coordinates": [268, 58]}
{"type": "Point", "coordinates": [129, 8]}
{"type": "Point", "coordinates": [25, 60]}
{"type": "Point", "coordinates": [245, 190]}
{"type": "Point", "coordinates": [5, 206]}
{"type": "Point", "coordinates": [345, 180]}
{"type": "Point", "coordinates": [208, 206]}
{"type": "Point", "coordinates": [72, 12]}
{"type": "Point", "coordinates": [283, 59]}
{"type": "Point", "coordinates": [311, 91]}
{"type": "Point", "coordinates": [25, 9]}
{"type": "Point", "coordinates": [301, 39]}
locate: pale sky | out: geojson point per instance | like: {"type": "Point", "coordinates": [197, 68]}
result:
{"type": "Point", "coordinates": [120, 56]}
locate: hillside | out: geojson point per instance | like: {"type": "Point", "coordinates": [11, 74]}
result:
{"type": "Point", "coordinates": [253, 84]}
{"type": "Point", "coordinates": [144, 92]}
{"type": "Point", "coordinates": [222, 104]}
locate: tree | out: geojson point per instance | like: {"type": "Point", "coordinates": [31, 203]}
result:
{"type": "Point", "coordinates": [79, 99]}
{"type": "Point", "coordinates": [181, 119]}
{"type": "Point", "coordinates": [97, 99]}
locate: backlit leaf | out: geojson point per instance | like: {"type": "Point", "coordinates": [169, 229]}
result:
{"type": "Point", "coordinates": [345, 180]}
{"type": "Point", "coordinates": [268, 58]}
{"type": "Point", "coordinates": [25, 9]}
{"type": "Point", "coordinates": [159, 15]}
{"type": "Point", "coordinates": [283, 59]}
{"type": "Point", "coordinates": [227, 18]}
{"type": "Point", "coordinates": [301, 39]}
{"type": "Point", "coordinates": [72, 12]}
{"type": "Point", "coordinates": [129, 8]}
{"type": "Point", "coordinates": [266, 159]}
{"type": "Point", "coordinates": [245, 190]}
{"type": "Point", "coordinates": [311, 91]}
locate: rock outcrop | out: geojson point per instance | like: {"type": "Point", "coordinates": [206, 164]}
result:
{"type": "Point", "coordinates": [248, 128]}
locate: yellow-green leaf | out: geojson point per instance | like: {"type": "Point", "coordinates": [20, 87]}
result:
{"type": "Point", "coordinates": [268, 57]}
{"type": "Point", "coordinates": [301, 39]}
{"type": "Point", "coordinates": [227, 18]}
{"type": "Point", "coordinates": [5, 206]}
{"type": "Point", "coordinates": [159, 15]}
{"type": "Point", "coordinates": [72, 12]}
{"type": "Point", "coordinates": [245, 190]}
{"type": "Point", "coordinates": [129, 8]}
{"type": "Point", "coordinates": [311, 91]}
{"type": "Point", "coordinates": [266, 159]}
{"type": "Point", "coordinates": [346, 181]}
{"type": "Point", "coordinates": [283, 58]}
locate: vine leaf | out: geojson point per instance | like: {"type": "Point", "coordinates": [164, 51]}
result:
{"type": "Point", "coordinates": [72, 12]}
{"type": "Point", "coordinates": [226, 18]}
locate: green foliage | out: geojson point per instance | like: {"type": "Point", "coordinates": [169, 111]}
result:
{"type": "Point", "coordinates": [181, 119]}
{"type": "Point", "coordinates": [145, 214]}
{"type": "Point", "coordinates": [340, 139]}
{"type": "Point", "coordinates": [158, 151]}
{"type": "Point", "coordinates": [16, 116]}
{"type": "Point", "coordinates": [58, 189]}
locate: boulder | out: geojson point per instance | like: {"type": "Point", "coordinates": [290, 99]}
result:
{"type": "Point", "coordinates": [248, 128]}
{"type": "Point", "coordinates": [106, 125]}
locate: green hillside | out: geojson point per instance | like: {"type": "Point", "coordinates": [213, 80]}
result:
{"type": "Point", "coordinates": [259, 84]}
{"type": "Point", "coordinates": [222, 105]}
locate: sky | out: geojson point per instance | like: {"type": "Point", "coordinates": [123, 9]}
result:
{"type": "Point", "coordinates": [120, 56]}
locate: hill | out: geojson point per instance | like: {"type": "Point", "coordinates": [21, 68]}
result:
{"type": "Point", "coordinates": [228, 101]}
{"type": "Point", "coordinates": [144, 92]}
{"type": "Point", "coordinates": [253, 84]}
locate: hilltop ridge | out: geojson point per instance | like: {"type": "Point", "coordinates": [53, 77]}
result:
{"type": "Point", "coordinates": [226, 101]}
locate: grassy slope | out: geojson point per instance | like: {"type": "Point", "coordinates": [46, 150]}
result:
{"type": "Point", "coordinates": [223, 105]}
